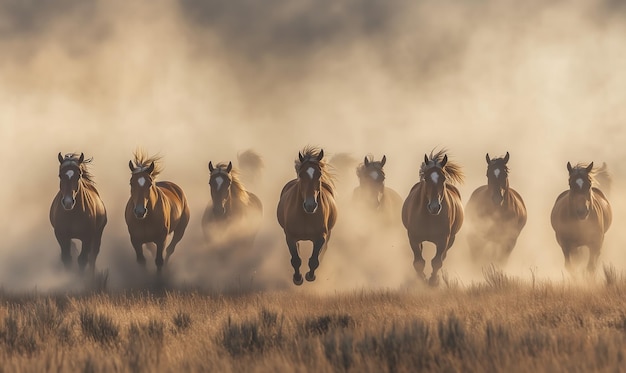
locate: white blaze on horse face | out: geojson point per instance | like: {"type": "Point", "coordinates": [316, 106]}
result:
{"type": "Point", "coordinates": [141, 181]}
{"type": "Point", "coordinates": [219, 181]}
{"type": "Point", "coordinates": [580, 183]}
{"type": "Point", "coordinates": [434, 177]}
{"type": "Point", "coordinates": [310, 171]}
{"type": "Point", "coordinates": [374, 175]}
{"type": "Point", "coordinates": [69, 174]}
{"type": "Point", "coordinates": [496, 172]}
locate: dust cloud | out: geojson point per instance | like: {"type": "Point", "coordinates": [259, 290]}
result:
{"type": "Point", "coordinates": [204, 80]}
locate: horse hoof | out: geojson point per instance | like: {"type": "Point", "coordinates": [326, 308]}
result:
{"type": "Point", "coordinates": [310, 277]}
{"type": "Point", "coordinates": [297, 279]}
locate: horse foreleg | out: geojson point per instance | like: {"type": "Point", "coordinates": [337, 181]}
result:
{"type": "Point", "coordinates": [160, 246]}
{"type": "Point", "coordinates": [178, 235]}
{"type": "Point", "coordinates": [594, 253]}
{"type": "Point", "coordinates": [66, 253]}
{"type": "Point", "coordinates": [84, 253]}
{"type": "Point", "coordinates": [95, 250]}
{"type": "Point", "coordinates": [138, 246]}
{"type": "Point", "coordinates": [295, 261]}
{"type": "Point", "coordinates": [437, 262]}
{"type": "Point", "coordinates": [418, 260]}
{"type": "Point", "coordinates": [314, 260]}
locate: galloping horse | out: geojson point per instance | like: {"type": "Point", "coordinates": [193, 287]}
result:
{"type": "Point", "coordinates": [77, 211]}
{"type": "Point", "coordinates": [306, 210]}
{"type": "Point", "coordinates": [433, 211]}
{"type": "Point", "coordinates": [232, 208]}
{"type": "Point", "coordinates": [495, 215]}
{"type": "Point", "coordinates": [372, 196]}
{"type": "Point", "coordinates": [154, 210]}
{"type": "Point", "coordinates": [581, 216]}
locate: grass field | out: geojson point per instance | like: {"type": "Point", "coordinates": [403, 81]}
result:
{"type": "Point", "coordinates": [498, 324]}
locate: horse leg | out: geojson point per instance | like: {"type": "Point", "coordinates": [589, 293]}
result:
{"type": "Point", "coordinates": [138, 246]}
{"type": "Point", "coordinates": [95, 250]}
{"type": "Point", "coordinates": [295, 261]}
{"type": "Point", "coordinates": [418, 260]}
{"type": "Point", "coordinates": [178, 235]}
{"type": "Point", "coordinates": [314, 261]}
{"type": "Point", "coordinates": [437, 262]}
{"type": "Point", "coordinates": [84, 253]}
{"type": "Point", "coordinates": [594, 253]}
{"type": "Point", "coordinates": [160, 245]}
{"type": "Point", "coordinates": [66, 253]}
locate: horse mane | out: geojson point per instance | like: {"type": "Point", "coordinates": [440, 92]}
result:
{"type": "Point", "coordinates": [310, 153]}
{"type": "Point", "coordinates": [84, 166]}
{"type": "Point", "coordinates": [142, 161]}
{"type": "Point", "coordinates": [237, 189]}
{"type": "Point", "coordinates": [451, 170]}
{"type": "Point", "coordinates": [603, 177]}
{"type": "Point", "coordinates": [360, 169]}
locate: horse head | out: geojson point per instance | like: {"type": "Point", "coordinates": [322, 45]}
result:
{"type": "Point", "coordinates": [220, 181]}
{"type": "Point", "coordinates": [310, 180]}
{"type": "Point", "coordinates": [497, 177]}
{"type": "Point", "coordinates": [141, 182]}
{"type": "Point", "coordinates": [70, 173]}
{"type": "Point", "coordinates": [372, 180]}
{"type": "Point", "coordinates": [580, 180]}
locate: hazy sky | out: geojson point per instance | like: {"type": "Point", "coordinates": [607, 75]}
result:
{"type": "Point", "coordinates": [202, 80]}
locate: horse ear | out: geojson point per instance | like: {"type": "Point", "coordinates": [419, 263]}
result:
{"type": "Point", "coordinates": [383, 161]}
{"type": "Point", "coordinates": [211, 168]}
{"type": "Point", "coordinates": [444, 161]}
{"type": "Point", "coordinates": [569, 167]}
{"type": "Point", "coordinates": [130, 165]}
{"type": "Point", "coordinates": [320, 155]}
{"type": "Point", "coordinates": [301, 157]}
{"type": "Point", "coordinates": [366, 161]}
{"type": "Point", "coordinates": [425, 159]}
{"type": "Point", "coordinates": [487, 158]}
{"type": "Point", "coordinates": [590, 167]}
{"type": "Point", "coordinates": [60, 158]}
{"type": "Point", "coordinates": [151, 168]}
{"type": "Point", "coordinates": [506, 158]}
{"type": "Point", "coordinates": [81, 159]}
{"type": "Point", "coordinates": [230, 167]}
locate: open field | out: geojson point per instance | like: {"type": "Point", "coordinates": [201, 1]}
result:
{"type": "Point", "coordinates": [499, 324]}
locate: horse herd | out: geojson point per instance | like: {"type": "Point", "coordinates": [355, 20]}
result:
{"type": "Point", "coordinates": [494, 216]}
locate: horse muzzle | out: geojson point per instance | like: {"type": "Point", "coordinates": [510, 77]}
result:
{"type": "Point", "coordinates": [434, 207]}
{"type": "Point", "coordinates": [497, 199]}
{"type": "Point", "coordinates": [582, 213]}
{"type": "Point", "coordinates": [310, 207]}
{"type": "Point", "coordinates": [140, 212]}
{"type": "Point", "coordinates": [219, 210]}
{"type": "Point", "coordinates": [68, 203]}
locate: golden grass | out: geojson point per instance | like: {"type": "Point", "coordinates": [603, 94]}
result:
{"type": "Point", "coordinates": [501, 324]}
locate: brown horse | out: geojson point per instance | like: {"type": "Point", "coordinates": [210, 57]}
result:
{"type": "Point", "coordinates": [495, 215]}
{"type": "Point", "coordinates": [154, 210]}
{"type": "Point", "coordinates": [234, 214]}
{"type": "Point", "coordinates": [433, 211]}
{"type": "Point", "coordinates": [307, 211]}
{"type": "Point", "coordinates": [372, 196]}
{"type": "Point", "coordinates": [581, 216]}
{"type": "Point", "coordinates": [77, 212]}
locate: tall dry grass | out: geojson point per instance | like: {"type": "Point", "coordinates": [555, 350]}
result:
{"type": "Point", "coordinates": [499, 324]}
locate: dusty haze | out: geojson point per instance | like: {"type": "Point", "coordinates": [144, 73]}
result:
{"type": "Point", "coordinates": [203, 80]}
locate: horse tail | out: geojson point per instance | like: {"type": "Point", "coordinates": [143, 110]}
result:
{"type": "Point", "coordinates": [250, 165]}
{"type": "Point", "coordinates": [604, 179]}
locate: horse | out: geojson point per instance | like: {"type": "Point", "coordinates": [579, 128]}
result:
{"type": "Point", "coordinates": [233, 212]}
{"type": "Point", "coordinates": [251, 166]}
{"type": "Point", "coordinates": [77, 211]}
{"type": "Point", "coordinates": [307, 211]}
{"type": "Point", "coordinates": [433, 211]}
{"type": "Point", "coordinates": [495, 215]}
{"type": "Point", "coordinates": [154, 210]}
{"type": "Point", "coordinates": [372, 196]}
{"type": "Point", "coordinates": [581, 216]}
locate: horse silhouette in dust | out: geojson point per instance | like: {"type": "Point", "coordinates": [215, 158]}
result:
{"type": "Point", "coordinates": [77, 212]}
{"type": "Point", "coordinates": [495, 215]}
{"type": "Point", "coordinates": [581, 216]}
{"type": "Point", "coordinates": [233, 216]}
{"type": "Point", "coordinates": [372, 197]}
{"type": "Point", "coordinates": [154, 210]}
{"type": "Point", "coordinates": [433, 211]}
{"type": "Point", "coordinates": [306, 210]}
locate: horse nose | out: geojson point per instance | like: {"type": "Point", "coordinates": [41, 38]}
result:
{"type": "Point", "coordinates": [582, 212]}
{"type": "Point", "coordinates": [310, 207]}
{"type": "Point", "coordinates": [497, 199]}
{"type": "Point", "coordinates": [140, 212]}
{"type": "Point", "coordinates": [434, 207]}
{"type": "Point", "coordinates": [68, 203]}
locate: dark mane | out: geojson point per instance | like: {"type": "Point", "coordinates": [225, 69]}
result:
{"type": "Point", "coordinates": [310, 154]}
{"type": "Point", "coordinates": [142, 161]}
{"type": "Point", "coordinates": [72, 158]}
{"type": "Point", "coordinates": [237, 189]}
{"type": "Point", "coordinates": [451, 170]}
{"type": "Point", "coordinates": [362, 169]}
